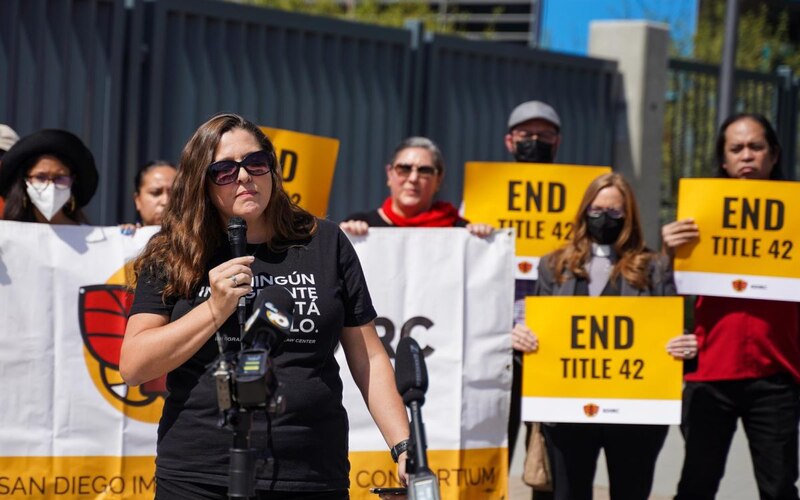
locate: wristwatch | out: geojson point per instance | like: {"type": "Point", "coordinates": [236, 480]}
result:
{"type": "Point", "coordinates": [399, 448]}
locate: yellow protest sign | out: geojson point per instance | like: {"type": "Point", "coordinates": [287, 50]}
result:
{"type": "Point", "coordinates": [538, 200]}
{"type": "Point", "coordinates": [749, 244]}
{"type": "Point", "coordinates": [603, 360]}
{"type": "Point", "coordinates": [308, 163]}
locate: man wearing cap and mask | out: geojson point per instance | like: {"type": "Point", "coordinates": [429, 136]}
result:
{"type": "Point", "coordinates": [534, 134]}
{"type": "Point", "coordinates": [48, 177]}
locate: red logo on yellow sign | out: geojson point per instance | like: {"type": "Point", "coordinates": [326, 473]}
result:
{"type": "Point", "coordinates": [590, 409]}
{"type": "Point", "coordinates": [739, 285]}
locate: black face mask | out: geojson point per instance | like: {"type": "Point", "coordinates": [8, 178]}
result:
{"type": "Point", "coordinates": [534, 151]}
{"type": "Point", "coordinates": [603, 229]}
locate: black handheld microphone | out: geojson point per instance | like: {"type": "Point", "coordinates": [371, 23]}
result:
{"type": "Point", "coordinates": [411, 374]}
{"type": "Point", "coordinates": [411, 377]}
{"type": "Point", "coordinates": [269, 324]}
{"type": "Point", "coordinates": [237, 237]}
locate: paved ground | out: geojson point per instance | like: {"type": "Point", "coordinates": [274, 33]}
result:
{"type": "Point", "coordinates": [517, 490]}
{"type": "Point", "coordinates": [737, 484]}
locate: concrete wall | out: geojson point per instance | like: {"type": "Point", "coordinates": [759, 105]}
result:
{"type": "Point", "coordinates": [640, 49]}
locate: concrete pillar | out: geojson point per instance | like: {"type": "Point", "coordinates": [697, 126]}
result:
{"type": "Point", "coordinates": [641, 51]}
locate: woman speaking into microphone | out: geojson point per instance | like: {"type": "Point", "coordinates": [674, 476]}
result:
{"type": "Point", "coordinates": [188, 287]}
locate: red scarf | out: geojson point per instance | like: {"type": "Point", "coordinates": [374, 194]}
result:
{"type": "Point", "coordinates": [441, 214]}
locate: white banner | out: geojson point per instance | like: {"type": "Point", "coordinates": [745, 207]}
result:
{"type": "Point", "coordinates": [51, 405]}
{"type": "Point", "coordinates": [69, 427]}
{"type": "Point", "coordinates": [453, 293]}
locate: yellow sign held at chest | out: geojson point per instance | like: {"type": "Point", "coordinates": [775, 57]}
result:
{"type": "Point", "coordinates": [605, 352]}
{"type": "Point", "coordinates": [538, 201]}
{"type": "Point", "coordinates": [308, 162]}
{"type": "Point", "coordinates": [749, 243]}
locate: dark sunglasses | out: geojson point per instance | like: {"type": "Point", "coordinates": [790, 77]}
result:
{"type": "Point", "coordinates": [610, 212]}
{"type": "Point", "coordinates": [227, 171]}
{"type": "Point", "coordinates": [405, 169]}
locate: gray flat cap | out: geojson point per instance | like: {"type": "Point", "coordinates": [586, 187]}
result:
{"type": "Point", "coordinates": [532, 110]}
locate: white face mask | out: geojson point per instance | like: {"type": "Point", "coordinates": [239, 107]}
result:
{"type": "Point", "coordinates": [49, 200]}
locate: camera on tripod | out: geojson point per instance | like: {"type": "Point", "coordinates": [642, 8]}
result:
{"type": "Point", "coordinates": [247, 381]}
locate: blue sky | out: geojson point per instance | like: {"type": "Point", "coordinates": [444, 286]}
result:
{"type": "Point", "coordinates": [566, 22]}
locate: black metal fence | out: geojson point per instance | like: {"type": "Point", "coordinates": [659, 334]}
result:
{"type": "Point", "coordinates": [691, 121]}
{"type": "Point", "coordinates": [470, 88]}
{"type": "Point", "coordinates": [62, 66]}
{"type": "Point", "coordinates": [134, 78]}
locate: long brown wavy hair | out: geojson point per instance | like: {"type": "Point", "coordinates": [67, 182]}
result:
{"type": "Point", "coordinates": [634, 257]}
{"type": "Point", "coordinates": [192, 228]}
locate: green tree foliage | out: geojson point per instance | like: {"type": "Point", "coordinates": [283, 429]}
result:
{"type": "Point", "coordinates": [368, 11]}
{"type": "Point", "coordinates": [763, 35]}
{"type": "Point", "coordinates": [690, 127]}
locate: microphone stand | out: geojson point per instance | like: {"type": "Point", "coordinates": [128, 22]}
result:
{"type": "Point", "coordinates": [242, 466]}
{"type": "Point", "coordinates": [252, 384]}
{"type": "Point", "coordinates": [411, 377]}
{"type": "Point", "coordinates": [423, 483]}
{"type": "Point", "coordinates": [420, 444]}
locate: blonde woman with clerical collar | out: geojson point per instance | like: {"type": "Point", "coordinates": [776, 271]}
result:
{"type": "Point", "coordinates": [607, 257]}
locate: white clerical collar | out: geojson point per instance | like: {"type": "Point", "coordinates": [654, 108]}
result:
{"type": "Point", "coordinates": [602, 250]}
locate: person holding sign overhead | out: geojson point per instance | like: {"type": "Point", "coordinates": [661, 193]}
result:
{"type": "Point", "coordinates": [414, 175]}
{"type": "Point", "coordinates": [607, 257]}
{"type": "Point", "coordinates": [748, 363]}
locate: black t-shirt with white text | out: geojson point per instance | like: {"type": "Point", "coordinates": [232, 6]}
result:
{"type": "Point", "coordinates": [309, 439]}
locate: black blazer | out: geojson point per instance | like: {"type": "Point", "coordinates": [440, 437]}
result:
{"type": "Point", "coordinates": [662, 282]}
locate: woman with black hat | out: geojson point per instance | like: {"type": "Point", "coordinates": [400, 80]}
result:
{"type": "Point", "coordinates": [48, 176]}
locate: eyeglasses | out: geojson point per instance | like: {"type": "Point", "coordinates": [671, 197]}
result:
{"type": "Point", "coordinates": [405, 169]}
{"type": "Point", "coordinates": [545, 135]}
{"type": "Point", "coordinates": [612, 213]}
{"type": "Point", "coordinates": [40, 181]}
{"type": "Point", "coordinates": [227, 171]}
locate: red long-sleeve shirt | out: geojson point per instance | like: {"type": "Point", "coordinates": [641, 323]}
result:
{"type": "Point", "coordinates": [746, 338]}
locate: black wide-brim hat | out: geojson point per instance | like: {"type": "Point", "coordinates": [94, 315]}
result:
{"type": "Point", "coordinates": [65, 146]}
